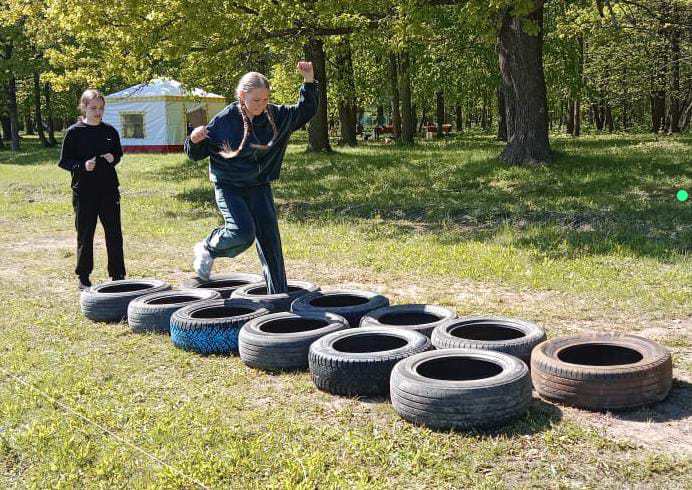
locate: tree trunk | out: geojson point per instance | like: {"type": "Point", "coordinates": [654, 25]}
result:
{"type": "Point", "coordinates": [37, 110]}
{"type": "Point", "coordinates": [502, 115]}
{"type": "Point", "coordinates": [394, 86]}
{"type": "Point", "coordinates": [596, 113]}
{"type": "Point", "coordinates": [318, 127]}
{"type": "Point", "coordinates": [423, 116]}
{"type": "Point", "coordinates": [347, 99]}
{"type": "Point", "coordinates": [459, 118]}
{"type": "Point", "coordinates": [506, 86]}
{"type": "Point", "coordinates": [13, 113]}
{"type": "Point", "coordinates": [570, 117]}
{"type": "Point", "coordinates": [609, 118]}
{"type": "Point", "coordinates": [674, 91]}
{"type": "Point", "coordinates": [49, 115]}
{"type": "Point", "coordinates": [529, 142]}
{"type": "Point", "coordinates": [440, 113]}
{"type": "Point", "coordinates": [407, 125]}
{"type": "Point", "coordinates": [6, 126]}
{"type": "Point", "coordinates": [28, 124]}
{"type": "Point", "coordinates": [577, 117]}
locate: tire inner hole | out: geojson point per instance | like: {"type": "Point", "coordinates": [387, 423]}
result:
{"type": "Point", "coordinates": [169, 300]}
{"type": "Point", "coordinates": [124, 288]}
{"type": "Point", "coordinates": [292, 325]}
{"type": "Point", "coordinates": [230, 283]}
{"type": "Point", "coordinates": [338, 300]}
{"type": "Point", "coordinates": [409, 318]}
{"type": "Point", "coordinates": [457, 368]}
{"type": "Point", "coordinates": [221, 312]}
{"type": "Point", "coordinates": [599, 355]}
{"type": "Point", "coordinates": [263, 290]}
{"type": "Point", "coordinates": [488, 331]}
{"type": "Point", "coordinates": [368, 343]}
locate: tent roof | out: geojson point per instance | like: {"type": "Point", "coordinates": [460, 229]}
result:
{"type": "Point", "coordinates": [161, 87]}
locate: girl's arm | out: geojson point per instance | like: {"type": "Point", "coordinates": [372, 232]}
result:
{"type": "Point", "coordinates": [197, 144]}
{"type": "Point", "coordinates": [308, 100]}
{"type": "Point", "coordinates": [68, 155]}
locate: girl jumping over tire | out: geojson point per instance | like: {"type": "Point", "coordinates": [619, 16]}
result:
{"type": "Point", "coordinates": [245, 144]}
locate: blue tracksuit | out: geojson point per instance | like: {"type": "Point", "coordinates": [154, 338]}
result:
{"type": "Point", "coordinates": [242, 184]}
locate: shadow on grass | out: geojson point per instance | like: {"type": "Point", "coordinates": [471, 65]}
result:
{"type": "Point", "coordinates": [676, 406]}
{"type": "Point", "coordinates": [588, 201]}
{"type": "Point", "coordinates": [31, 152]}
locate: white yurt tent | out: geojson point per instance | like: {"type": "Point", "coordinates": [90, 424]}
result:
{"type": "Point", "coordinates": [155, 117]}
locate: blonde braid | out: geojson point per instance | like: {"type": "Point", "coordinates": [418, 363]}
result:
{"type": "Point", "coordinates": [271, 121]}
{"type": "Point", "coordinates": [226, 151]}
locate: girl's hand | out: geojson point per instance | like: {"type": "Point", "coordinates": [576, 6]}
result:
{"type": "Point", "coordinates": [90, 164]}
{"type": "Point", "coordinates": [109, 157]}
{"type": "Point", "coordinates": [199, 134]}
{"type": "Point", "coordinates": [305, 68]}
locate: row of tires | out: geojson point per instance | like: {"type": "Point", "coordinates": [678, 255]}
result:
{"type": "Point", "coordinates": [479, 378]}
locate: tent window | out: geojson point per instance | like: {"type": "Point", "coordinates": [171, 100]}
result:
{"type": "Point", "coordinates": [133, 125]}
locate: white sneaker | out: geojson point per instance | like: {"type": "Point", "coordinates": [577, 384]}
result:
{"type": "Point", "coordinates": [203, 261]}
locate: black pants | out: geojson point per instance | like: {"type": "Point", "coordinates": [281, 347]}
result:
{"type": "Point", "coordinates": [87, 209]}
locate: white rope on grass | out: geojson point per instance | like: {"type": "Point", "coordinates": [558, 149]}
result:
{"type": "Point", "coordinates": [105, 430]}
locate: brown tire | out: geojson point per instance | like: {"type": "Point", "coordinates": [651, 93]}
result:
{"type": "Point", "coordinates": [602, 372]}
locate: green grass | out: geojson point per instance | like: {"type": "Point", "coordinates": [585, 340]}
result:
{"type": "Point", "coordinates": [596, 240]}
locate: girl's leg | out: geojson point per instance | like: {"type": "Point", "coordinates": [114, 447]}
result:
{"type": "Point", "coordinates": [85, 216]}
{"type": "Point", "coordinates": [238, 231]}
{"type": "Point", "coordinates": [109, 214]}
{"type": "Point", "coordinates": [268, 239]}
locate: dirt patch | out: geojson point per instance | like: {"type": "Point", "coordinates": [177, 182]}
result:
{"type": "Point", "coordinates": [666, 426]}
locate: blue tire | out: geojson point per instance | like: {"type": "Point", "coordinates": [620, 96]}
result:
{"type": "Point", "coordinates": [212, 327]}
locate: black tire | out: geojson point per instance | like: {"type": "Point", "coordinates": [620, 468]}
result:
{"type": "Point", "coordinates": [279, 302]}
{"type": "Point", "coordinates": [212, 327]}
{"type": "Point", "coordinates": [152, 312]}
{"type": "Point", "coordinates": [350, 304]}
{"type": "Point", "coordinates": [225, 284]}
{"type": "Point", "coordinates": [108, 302]}
{"type": "Point", "coordinates": [495, 333]}
{"type": "Point", "coordinates": [602, 372]}
{"type": "Point", "coordinates": [281, 341]}
{"type": "Point", "coordinates": [420, 318]}
{"type": "Point", "coordinates": [344, 363]}
{"type": "Point", "coordinates": [460, 389]}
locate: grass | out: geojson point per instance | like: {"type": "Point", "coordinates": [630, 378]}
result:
{"type": "Point", "coordinates": [595, 241]}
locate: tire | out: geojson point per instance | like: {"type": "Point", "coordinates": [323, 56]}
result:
{"type": "Point", "coordinates": [279, 302]}
{"type": "Point", "coordinates": [152, 312]}
{"type": "Point", "coordinates": [602, 372]}
{"type": "Point", "coordinates": [108, 302]}
{"type": "Point", "coordinates": [495, 333]}
{"type": "Point", "coordinates": [420, 318]}
{"type": "Point", "coordinates": [350, 304]}
{"type": "Point", "coordinates": [225, 284]}
{"type": "Point", "coordinates": [206, 328]}
{"type": "Point", "coordinates": [281, 341]}
{"type": "Point", "coordinates": [339, 363]}
{"type": "Point", "coordinates": [426, 389]}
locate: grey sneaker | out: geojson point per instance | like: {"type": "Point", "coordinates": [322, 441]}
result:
{"type": "Point", "coordinates": [202, 262]}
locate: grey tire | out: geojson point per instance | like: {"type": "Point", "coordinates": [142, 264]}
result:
{"type": "Point", "coordinates": [359, 361]}
{"type": "Point", "coordinates": [152, 312]}
{"type": "Point", "coordinates": [279, 302]}
{"type": "Point", "coordinates": [495, 333]}
{"type": "Point", "coordinates": [460, 389]}
{"type": "Point", "coordinates": [225, 284]}
{"type": "Point", "coordinates": [281, 341]}
{"type": "Point", "coordinates": [351, 304]}
{"type": "Point", "coordinates": [421, 318]}
{"type": "Point", "coordinates": [108, 302]}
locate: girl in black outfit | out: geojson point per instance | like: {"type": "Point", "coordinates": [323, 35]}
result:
{"type": "Point", "coordinates": [90, 151]}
